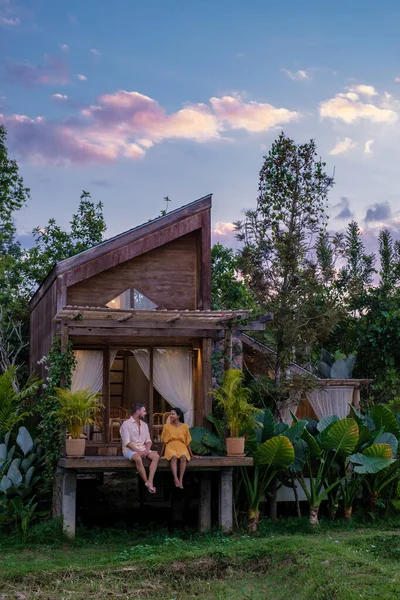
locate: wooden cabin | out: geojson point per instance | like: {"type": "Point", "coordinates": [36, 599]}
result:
{"type": "Point", "coordinates": [137, 311]}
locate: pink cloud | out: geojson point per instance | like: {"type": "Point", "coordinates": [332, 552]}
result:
{"type": "Point", "coordinates": [127, 124]}
{"type": "Point", "coordinates": [53, 72]}
{"type": "Point", "coordinates": [82, 77]}
{"type": "Point", "coordinates": [252, 116]}
{"type": "Point", "coordinates": [224, 233]}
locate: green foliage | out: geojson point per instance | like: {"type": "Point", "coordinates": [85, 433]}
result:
{"type": "Point", "coordinates": [14, 408]}
{"type": "Point", "coordinates": [204, 442]}
{"type": "Point", "coordinates": [20, 476]}
{"type": "Point", "coordinates": [60, 364]}
{"type": "Point", "coordinates": [76, 409]}
{"type": "Point", "coordinates": [233, 398]}
{"type": "Point", "coordinates": [329, 368]}
{"type": "Point", "coordinates": [53, 244]}
{"type": "Point", "coordinates": [228, 291]}
{"type": "Point", "coordinates": [276, 452]}
{"type": "Point", "coordinates": [278, 261]}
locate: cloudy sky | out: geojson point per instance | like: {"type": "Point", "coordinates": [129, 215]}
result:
{"type": "Point", "coordinates": [135, 100]}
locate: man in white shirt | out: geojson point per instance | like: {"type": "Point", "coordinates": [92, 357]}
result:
{"type": "Point", "coordinates": [136, 445]}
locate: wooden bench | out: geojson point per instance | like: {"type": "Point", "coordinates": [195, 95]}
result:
{"type": "Point", "coordinates": [68, 469]}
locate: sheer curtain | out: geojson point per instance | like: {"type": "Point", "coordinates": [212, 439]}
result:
{"type": "Point", "coordinates": [332, 401]}
{"type": "Point", "coordinates": [172, 376]}
{"type": "Point", "coordinates": [88, 373]}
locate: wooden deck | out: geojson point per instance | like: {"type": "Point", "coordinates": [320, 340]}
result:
{"type": "Point", "coordinates": [69, 468]}
{"type": "Point", "coordinates": [93, 464]}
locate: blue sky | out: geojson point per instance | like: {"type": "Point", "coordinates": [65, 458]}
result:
{"type": "Point", "coordinates": [134, 101]}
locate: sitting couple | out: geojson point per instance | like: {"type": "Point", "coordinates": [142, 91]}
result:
{"type": "Point", "coordinates": [136, 445]}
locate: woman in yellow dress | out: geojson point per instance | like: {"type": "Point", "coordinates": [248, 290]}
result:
{"type": "Point", "coordinates": [176, 445]}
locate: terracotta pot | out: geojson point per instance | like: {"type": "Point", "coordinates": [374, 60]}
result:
{"type": "Point", "coordinates": [75, 448]}
{"type": "Point", "coordinates": [235, 446]}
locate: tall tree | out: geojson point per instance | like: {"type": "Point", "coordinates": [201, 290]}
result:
{"type": "Point", "coordinates": [53, 244]}
{"type": "Point", "coordinates": [229, 292]}
{"type": "Point", "coordinates": [278, 257]}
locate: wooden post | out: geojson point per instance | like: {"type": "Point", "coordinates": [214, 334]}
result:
{"type": "Point", "coordinates": [205, 502]}
{"type": "Point", "coordinates": [151, 391]}
{"type": "Point", "coordinates": [228, 350]}
{"type": "Point", "coordinates": [63, 346]}
{"type": "Point", "coordinates": [206, 384]}
{"type": "Point", "coordinates": [69, 502]}
{"type": "Point", "coordinates": [106, 394]}
{"type": "Point", "coordinates": [356, 398]}
{"type": "Point", "coordinates": [226, 499]}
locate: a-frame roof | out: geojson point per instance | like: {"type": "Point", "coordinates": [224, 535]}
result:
{"type": "Point", "coordinates": [115, 246]}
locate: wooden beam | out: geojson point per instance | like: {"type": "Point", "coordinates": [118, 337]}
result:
{"type": "Point", "coordinates": [206, 260]}
{"type": "Point", "coordinates": [125, 318]}
{"type": "Point", "coordinates": [177, 322]}
{"type": "Point", "coordinates": [106, 393]}
{"type": "Point", "coordinates": [206, 408]}
{"type": "Point", "coordinates": [127, 332]}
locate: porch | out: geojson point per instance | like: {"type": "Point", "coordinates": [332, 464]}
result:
{"type": "Point", "coordinates": [69, 470]}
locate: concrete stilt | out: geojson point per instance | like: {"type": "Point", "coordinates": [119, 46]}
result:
{"type": "Point", "coordinates": [226, 500]}
{"type": "Point", "coordinates": [69, 502]}
{"type": "Point", "coordinates": [205, 502]}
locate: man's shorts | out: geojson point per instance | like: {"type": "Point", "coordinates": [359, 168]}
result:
{"type": "Point", "coordinates": [128, 453]}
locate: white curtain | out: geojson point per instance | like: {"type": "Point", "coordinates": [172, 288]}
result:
{"type": "Point", "coordinates": [88, 373]}
{"type": "Point", "coordinates": [172, 376]}
{"type": "Point", "coordinates": [332, 401]}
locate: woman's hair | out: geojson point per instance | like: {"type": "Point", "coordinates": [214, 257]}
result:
{"type": "Point", "coordinates": [179, 413]}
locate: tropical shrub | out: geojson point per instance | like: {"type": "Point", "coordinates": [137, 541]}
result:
{"type": "Point", "coordinates": [205, 442]}
{"type": "Point", "coordinates": [234, 399]}
{"type": "Point", "coordinates": [14, 408]}
{"type": "Point", "coordinates": [76, 409]}
{"type": "Point", "coordinates": [20, 467]}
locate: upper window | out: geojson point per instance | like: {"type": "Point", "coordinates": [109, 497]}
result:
{"type": "Point", "coordinates": [132, 298]}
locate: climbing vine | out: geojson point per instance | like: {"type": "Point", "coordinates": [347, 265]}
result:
{"type": "Point", "coordinates": [60, 365]}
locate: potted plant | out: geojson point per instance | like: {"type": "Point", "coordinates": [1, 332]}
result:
{"type": "Point", "coordinates": [239, 413]}
{"type": "Point", "coordinates": [76, 410]}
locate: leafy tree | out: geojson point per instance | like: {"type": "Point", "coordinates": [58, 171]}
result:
{"type": "Point", "coordinates": [13, 299]}
{"type": "Point", "coordinates": [228, 291]}
{"type": "Point", "coordinates": [278, 257]}
{"type": "Point", "coordinates": [53, 244]}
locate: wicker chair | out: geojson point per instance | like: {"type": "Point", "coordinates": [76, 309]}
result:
{"type": "Point", "coordinates": [158, 421]}
{"type": "Point", "coordinates": [118, 414]}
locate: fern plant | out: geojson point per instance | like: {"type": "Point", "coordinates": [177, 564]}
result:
{"type": "Point", "coordinates": [13, 404]}
{"type": "Point", "coordinates": [233, 398]}
{"type": "Point", "coordinates": [77, 409]}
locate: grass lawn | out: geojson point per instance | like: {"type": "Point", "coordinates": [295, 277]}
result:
{"type": "Point", "coordinates": [284, 561]}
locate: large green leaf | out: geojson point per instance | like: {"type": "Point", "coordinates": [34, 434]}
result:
{"type": "Point", "coordinates": [369, 464]}
{"type": "Point", "coordinates": [312, 443]}
{"type": "Point", "coordinates": [295, 432]}
{"type": "Point", "coordinates": [388, 438]}
{"type": "Point", "coordinates": [212, 441]}
{"type": "Point", "coordinates": [379, 451]}
{"type": "Point", "coordinates": [268, 425]}
{"type": "Point", "coordinates": [276, 452]}
{"type": "Point", "coordinates": [301, 454]}
{"type": "Point", "coordinates": [199, 448]}
{"type": "Point", "coordinates": [342, 437]}
{"type": "Point", "coordinates": [280, 428]}
{"type": "Point", "coordinates": [24, 440]}
{"type": "Point", "coordinates": [383, 418]}
{"type": "Point", "coordinates": [197, 445]}
{"type": "Point", "coordinates": [325, 421]}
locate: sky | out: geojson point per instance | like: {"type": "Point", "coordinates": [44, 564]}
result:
{"type": "Point", "coordinates": [134, 101]}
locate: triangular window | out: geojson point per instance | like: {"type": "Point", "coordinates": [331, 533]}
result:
{"type": "Point", "coordinates": [132, 298]}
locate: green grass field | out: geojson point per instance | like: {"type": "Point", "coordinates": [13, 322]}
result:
{"type": "Point", "coordinates": [333, 563]}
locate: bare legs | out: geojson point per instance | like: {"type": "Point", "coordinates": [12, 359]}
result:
{"type": "Point", "coordinates": [148, 481]}
{"type": "Point", "coordinates": [182, 468]}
